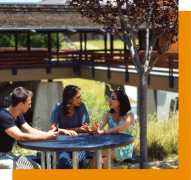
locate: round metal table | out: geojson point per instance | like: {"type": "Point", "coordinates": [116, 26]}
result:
{"type": "Point", "coordinates": [82, 142]}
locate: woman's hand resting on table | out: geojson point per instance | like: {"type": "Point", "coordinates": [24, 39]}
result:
{"type": "Point", "coordinates": [68, 132]}
{"type": "Point", "coordinates": [71, 133]}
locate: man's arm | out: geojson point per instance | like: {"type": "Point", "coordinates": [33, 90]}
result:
{"type": "Point", "coordinates": [28, 129]}
{"type": "Point", "coordinates": [18, 135]}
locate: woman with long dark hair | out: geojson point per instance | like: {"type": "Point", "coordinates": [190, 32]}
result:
{"type": "Point", "coordinates": [119, 119]}
{"type": "Point", "coordinates": [71, 116]}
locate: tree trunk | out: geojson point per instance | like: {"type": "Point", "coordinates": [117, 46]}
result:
{"type": "Point", "coordinates": [143, 118]}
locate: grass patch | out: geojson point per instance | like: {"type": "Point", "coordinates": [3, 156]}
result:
{"type": "Point", "coordinates": [162, 139]}
{"type": "Point", "coordinates": [97, 44]}
{"type": "Point", "coordinates": [18, 150]}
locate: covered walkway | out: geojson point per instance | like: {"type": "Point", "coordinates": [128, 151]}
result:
{"type": "Point", "coordinates": [109, 65]}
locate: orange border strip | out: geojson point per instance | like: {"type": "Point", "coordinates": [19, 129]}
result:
{"type": "Point", "coordinates": [184, 130]}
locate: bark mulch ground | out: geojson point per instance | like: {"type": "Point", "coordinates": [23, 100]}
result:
{"type": "Point", "coordinates": [168, 164]}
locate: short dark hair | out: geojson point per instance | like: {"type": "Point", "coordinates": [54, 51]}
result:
{"type": "Point", "coordinates": [20, 94]}
{"type": "Point", "coordinates": [69, 92]}
{"type": "Point", "coordinates": [123, 99]}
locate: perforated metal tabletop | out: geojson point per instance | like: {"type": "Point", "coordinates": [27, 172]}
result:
{"type": "Point", "coordinates": [82, 142]}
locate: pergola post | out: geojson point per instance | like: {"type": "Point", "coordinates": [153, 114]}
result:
{"type": "Point", "coordinates": [14, 69]}
{"type": "Point", "coordinates": [49, 42]}
{"type": "Point", "coordinates": [57, 46]}
{"type": "Point", "coordinates": [16, 41]}
{"type": "Point", "coordinates": [111, 43]}
{"type": "Point", "coordinates": [105, 42]}
{"type": "Point", "coordinates": [28, 42]}
{"type": "Point", "coordinates": [85, 45]}
{"type": "Point", "coordinates": [126, 60]}
{"type": "Point", "coordinates": [111, 51]}
{"type": "Point", "coordinates": [48, 70]}
{"type": "Point", "coordinates": [79, 66]}
{"type": "Point", "coordinates": [171, 78]}
{"type": "Point", "coordinates": [81, 41]}
{"type": "Point", "coordinates": [125, 48]}
{"type": "Point", "coordinates": [85, 40]}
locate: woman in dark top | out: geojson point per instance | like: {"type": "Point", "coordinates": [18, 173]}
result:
{"type": "Point", "coordinates": [71, 117]}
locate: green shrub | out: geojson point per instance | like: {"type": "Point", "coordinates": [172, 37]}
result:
{"type": "Point", "coordinates": [37, 40]}
{"type": "Point", "coordinates": [162, 138]}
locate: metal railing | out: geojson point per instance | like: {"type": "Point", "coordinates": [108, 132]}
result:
{"type": "Point", "coordinates": [90, 58]}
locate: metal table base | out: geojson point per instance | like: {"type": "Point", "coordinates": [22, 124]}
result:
{"type": "Point", "coordinates": [53, 160]}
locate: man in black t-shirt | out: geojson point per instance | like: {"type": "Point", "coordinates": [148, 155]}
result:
{"type": "Point", "coordinates": [14, 127]}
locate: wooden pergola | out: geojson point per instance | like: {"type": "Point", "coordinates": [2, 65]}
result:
{"type": "Point", "coordinates": [51, 57]}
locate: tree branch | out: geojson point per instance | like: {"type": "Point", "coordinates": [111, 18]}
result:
{"type": "Point", "coordinates": [152, 43]}
{"type": "Point", "coordinates": [106, 20]}
{"type": "Point", "coordinates": [126, 39]}
{"type": "Point", "coordinates": [158, 56]}
{"type": "Point", "coordinates": [175, 3]}
{"type": "Point", "coordinates": [128, 15]}
{"type": "Point", "coordinates": [147, 45]}
{"type": "Point", "coordinates": [123, 25]}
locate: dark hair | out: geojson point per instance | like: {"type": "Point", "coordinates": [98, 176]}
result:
{"type": "Point", "coordinates": [123, 99]}
{"type": "Point", "coordinates": [20, 94]}
{"type": "Point", "coordinates": [69, 92]}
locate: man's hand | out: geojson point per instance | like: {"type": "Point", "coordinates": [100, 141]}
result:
{"type": "Point", "coordinates": [51, 134]}
{"type": "Point", "coordinates": [54, 129]}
